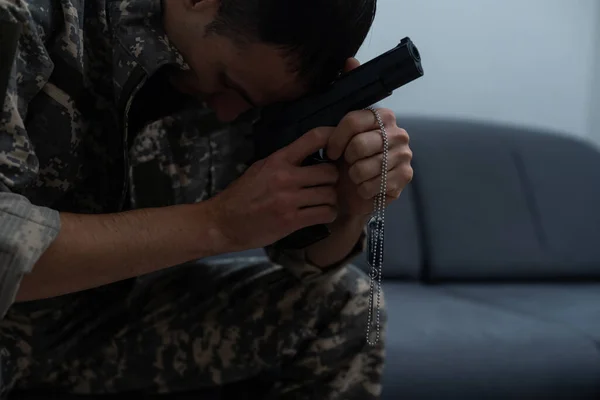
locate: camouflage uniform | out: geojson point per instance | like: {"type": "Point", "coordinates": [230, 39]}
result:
{"type": "Point", "coordinates": [89, 125]}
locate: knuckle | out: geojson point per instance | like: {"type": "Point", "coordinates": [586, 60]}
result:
{"type": "Point", "coordinates": [356, 173]}
{"type": "Point", "coordinates": [274, 161]}
{"type": "Point", "coordinates": [319, 134]}
{"type": "Point", "coordinates": [407, 154]}
{"type": "Point", "coordinates": [395, 193]}
{"type": "Point", "coordinates": [353, 119]}
{"type": "Point", "coordinates": [352, 151]}
{"type": "Point", "coordinates": [357, 146]}
{"type": "Point", "coordinates": [312, 135]}
{"type": "Point", "coordinates": [403, 135]}
{"type": "Point", "coordinates": [362, 142]}
{"type": "Point", "coordinates": [387, 116]}
{"type": "Point", "coordinates": [260, 164]}
{"type": "Point", "coordinates": [407, 174]}
{"type": "Point", "coordinates": [400, 135]}
{"type": "Point", "coordinates": [316, 133]}
{"type": "Point", "coordinates": [281, 178]}
{"type": "Point", "coordinates": [393, 187]}
{"type": "Point", "coordinates": [282, 203]}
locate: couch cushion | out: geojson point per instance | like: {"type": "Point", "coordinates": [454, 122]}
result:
{"type": "Point", "coordinates": [441, 346]}
{"type": "Point", "coordinates": [563, 177]}
{"type": "Point", "coordinates": [575, 306]}
{"type": "Point", "coordinates": [502, 202]}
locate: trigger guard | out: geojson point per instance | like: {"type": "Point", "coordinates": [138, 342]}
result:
{"type": "Point", "coordinates": [316, 158]}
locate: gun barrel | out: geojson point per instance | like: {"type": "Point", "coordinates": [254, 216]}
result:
{"type": "Point", "coordinates": [281, 124]}
{"type": "Point", "coordinates": [406, 71]}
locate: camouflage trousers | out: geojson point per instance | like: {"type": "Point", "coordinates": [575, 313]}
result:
{"type": "Point", "coordinates": [199, 326]}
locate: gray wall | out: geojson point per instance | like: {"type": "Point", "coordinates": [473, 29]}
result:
{"type": "Point", "coordinates": [519, 61]}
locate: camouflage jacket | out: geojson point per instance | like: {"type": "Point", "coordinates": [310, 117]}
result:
{"type": "Point", "coordinates": [89, 126]}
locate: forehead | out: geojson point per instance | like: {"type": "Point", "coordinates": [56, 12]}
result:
{"type": "Point", "coordinates": [265, 72]}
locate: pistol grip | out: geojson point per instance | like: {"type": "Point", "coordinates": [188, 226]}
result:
{"type": "Point", "coordinates": [304, 237]}
{"type": "Point", "coordinates": [311, 234]}
{"type": "Point", "coordinates": [316, 158]}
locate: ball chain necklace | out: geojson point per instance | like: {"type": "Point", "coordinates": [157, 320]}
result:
{"type": "Point", "coordinates": [375, 242]}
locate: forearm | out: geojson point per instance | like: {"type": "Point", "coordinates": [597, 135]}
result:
{"type": "Point", "coordinates": [345, 232]}
{"type": "Point", "coordinates": [94, 250]}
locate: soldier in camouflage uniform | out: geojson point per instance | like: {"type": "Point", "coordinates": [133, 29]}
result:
{"type": "Point", "coordinates": [120, 156]}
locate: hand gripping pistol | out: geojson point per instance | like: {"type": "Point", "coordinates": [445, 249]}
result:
{"type": "Point", "coordinates": [280, 124]}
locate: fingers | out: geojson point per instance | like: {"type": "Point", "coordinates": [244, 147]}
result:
{"type": "Point", "coordinates": [301, 177]}
{"type": "Point", "coordinates": [353, 124]}
{"type": "Point", "coordinates": [397, 179]}
{"type": "Point", "coordinates": [366, 169]}
{"type": "Point", "coordinates": [368, 144]}
{"type": "Point", "coordinates": [316, 215]}
{"type": "Point", "coordinates": [317, 175]}
{"type": "Point", "coordinates": [318, 196]}
{"type": "Point", "coordinates": [307, 144]}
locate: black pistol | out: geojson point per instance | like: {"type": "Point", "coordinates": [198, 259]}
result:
{"type": "Point", "coordinates": [281, 124]}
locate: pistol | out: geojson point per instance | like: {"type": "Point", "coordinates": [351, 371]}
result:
{"type": "Point", "coordinates": [280, 124]}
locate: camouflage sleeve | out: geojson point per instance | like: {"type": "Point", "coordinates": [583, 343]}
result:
{"type": "Point", "coordinates": [297, 262]}
{"type": "Point", "coordinates": [26, 230]}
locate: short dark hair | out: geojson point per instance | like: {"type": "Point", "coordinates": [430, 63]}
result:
{"type": "Point", "coordinates": [318, 36]}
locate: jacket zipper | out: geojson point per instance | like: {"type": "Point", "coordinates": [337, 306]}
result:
{"type": "Point", "coordinates": [136, 81]}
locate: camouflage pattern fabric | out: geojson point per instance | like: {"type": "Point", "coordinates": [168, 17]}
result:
{"type": "Point", "coordinates": [197, 326]}
{"type": "Point", "coordinates": [78, 134]}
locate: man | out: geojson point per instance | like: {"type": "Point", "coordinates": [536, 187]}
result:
{"type": "Point", "coordinates": [121, 156]}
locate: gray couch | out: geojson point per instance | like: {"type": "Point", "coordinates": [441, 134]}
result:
{"type": "Point", "coordinates": [492, 272]}
{"type": "Point", "coordinates": [493, 266]}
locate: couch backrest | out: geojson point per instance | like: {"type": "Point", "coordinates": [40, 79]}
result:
{"type": "Point", "coordinates": [500, 202]}
{"type": "Point", "coordinates": [403, 253]}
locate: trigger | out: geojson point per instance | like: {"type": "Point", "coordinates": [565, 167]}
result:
{"type": "Point", "coordinates": [318, 157]}
{"type": "Point", "coordinates": [323, 156]}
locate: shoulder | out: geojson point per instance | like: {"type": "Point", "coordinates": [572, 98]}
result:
{"type": "Point", "coordinates": [31, 64]}
{"type": "Point", "coordinates": [43, 23]}
{"type": "Point", "coordinates": [38, 18]}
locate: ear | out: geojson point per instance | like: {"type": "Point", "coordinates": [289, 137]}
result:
{"type": "Point", "coordinates": [204, 6]}
{"type": "Point", "coordinates": [202, 12]}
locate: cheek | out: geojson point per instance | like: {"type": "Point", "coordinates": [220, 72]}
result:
{"type": "Point", "coordinates": [188, 83]}
{"type": "Point", "coordinates": [228, 105]}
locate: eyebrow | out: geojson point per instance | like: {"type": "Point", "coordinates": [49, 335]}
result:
{"type": "Point", "coordinates": [239, 88]}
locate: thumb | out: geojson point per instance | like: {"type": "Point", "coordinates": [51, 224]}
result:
{"type": "Point", "coordinates": [351, 63]}
{"type": "Point", "coordinates": [307, 144]}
